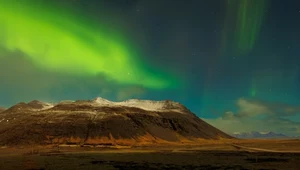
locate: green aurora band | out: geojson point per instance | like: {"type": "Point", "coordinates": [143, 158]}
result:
{"type": "Point", "coordinates": [59, 41]}
{"type": "Point", "coordinates": [248, 16]}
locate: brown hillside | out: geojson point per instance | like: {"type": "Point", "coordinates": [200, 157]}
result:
{"type": "Point", "coordinates": [87, 122]}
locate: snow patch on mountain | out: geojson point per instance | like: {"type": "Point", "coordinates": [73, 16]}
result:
{"type": "Point", "coordinates": [142, 104]}
{"type": "Point", "coordinates": [102, 101]}
{"type": "Point", "coordinates": [148, 105]}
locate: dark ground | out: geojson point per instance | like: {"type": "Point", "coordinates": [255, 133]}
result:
{"type": "Point", "coordinates": [206, 160]}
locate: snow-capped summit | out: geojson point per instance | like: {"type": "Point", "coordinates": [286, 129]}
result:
{"type": "Point", "coordinates": [147, 105]}
{"type": "Point", "coordinates": [100, 100]}
{"type": "Point", "coordinates": [142, 104]}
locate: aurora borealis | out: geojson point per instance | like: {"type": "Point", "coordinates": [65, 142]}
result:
{"type": "Point", "coordinates": [247, 17]}
{"type": "Point", "coordinates": [59, 42]}
{"type": "Point", "coordinates": [234, 63]}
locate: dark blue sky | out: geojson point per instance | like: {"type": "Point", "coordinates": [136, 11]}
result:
{"type": "Point", "coordinates": [198, 41]}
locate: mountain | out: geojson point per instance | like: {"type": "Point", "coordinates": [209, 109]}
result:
{"type": "Point", "coordinates": [255, 134]}
{"type": "Point", "coordinates": [2, 109]}
{"type": "Point", "coordinates": [103, 122]}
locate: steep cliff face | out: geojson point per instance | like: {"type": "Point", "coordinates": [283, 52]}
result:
{"type": "Point", "coordinates": [102, 122]}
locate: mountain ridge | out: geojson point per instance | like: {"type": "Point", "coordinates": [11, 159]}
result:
{"type": "Point", "coordinates": [103, 122]}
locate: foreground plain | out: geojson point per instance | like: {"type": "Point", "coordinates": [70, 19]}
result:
{"type": "Point", "coordinates": [240, 154]}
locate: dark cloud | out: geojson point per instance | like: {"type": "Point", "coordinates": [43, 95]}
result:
{"type": "Point", "coordinates": [252, 108]}
{"type": "Point", "coordinates": [258, 115]}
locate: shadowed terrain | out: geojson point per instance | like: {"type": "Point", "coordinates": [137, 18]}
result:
{"type": "Point", "coordinates": [102, 122]}
{"type": "Point", "coordinates": [210, 157]}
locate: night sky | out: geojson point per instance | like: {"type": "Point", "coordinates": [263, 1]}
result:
{"type": "Point", "coordinates": [235, 63]}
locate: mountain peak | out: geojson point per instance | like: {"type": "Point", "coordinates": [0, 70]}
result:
{"type": "Point", "coordinates": [35, 104]}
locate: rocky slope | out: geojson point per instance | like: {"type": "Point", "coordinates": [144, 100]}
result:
{"type": "Point", "coordinates": [2, 109]}
{"type": "Point", "coordinates": [103, 122]}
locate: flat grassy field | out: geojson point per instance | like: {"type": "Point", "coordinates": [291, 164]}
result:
{"type": "Point", "coordinates": [284, 154]}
